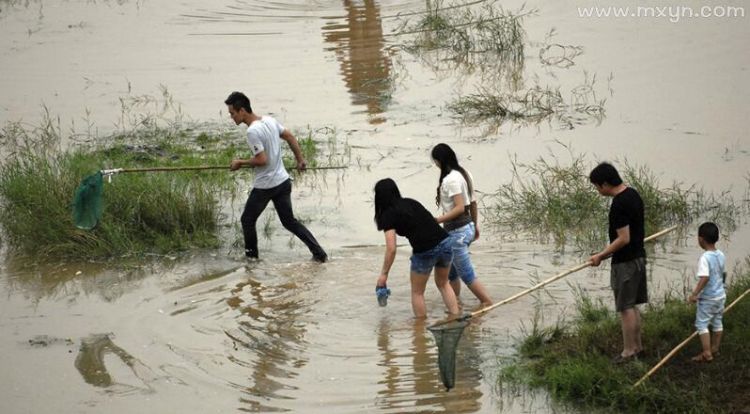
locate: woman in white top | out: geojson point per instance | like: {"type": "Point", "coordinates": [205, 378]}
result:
{"type": "Point", "coordinates": [455, 195]}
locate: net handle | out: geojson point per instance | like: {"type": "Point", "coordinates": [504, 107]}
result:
{"type": "Point", "coordinates": [199, 167]}
{"type": "Point", "coordinates": [542, 284]}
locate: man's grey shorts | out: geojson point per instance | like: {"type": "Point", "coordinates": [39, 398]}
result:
{"type": "Point", "coordinates": [628, 282]}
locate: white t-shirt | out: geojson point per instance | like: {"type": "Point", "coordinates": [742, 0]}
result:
{"type": "Point", "coordinates": [265, 135]}
{"type": "Point", "coordinates": [453, 184]}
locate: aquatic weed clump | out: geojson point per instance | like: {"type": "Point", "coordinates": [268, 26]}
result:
{"type": "Point", "coordinates": [552, 201]}
{"type": "Point", "coordinates": [143, 212]}
{"type": "Point", "coordinates": [533, 105]}
{"type": "Point", "coordinates": [575, 366]}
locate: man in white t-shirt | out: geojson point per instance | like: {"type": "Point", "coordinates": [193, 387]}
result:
{"type": "Point", "coordinates": [272, 182]}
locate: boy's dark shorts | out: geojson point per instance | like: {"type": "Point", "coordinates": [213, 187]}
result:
{"type": "Point", "coordinates": [628, 282]}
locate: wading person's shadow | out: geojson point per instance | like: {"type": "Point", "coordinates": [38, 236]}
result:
{"type": "Point", "coordinates": [90, 363]}
{"type": "Point", "coordinates": [360, 49]}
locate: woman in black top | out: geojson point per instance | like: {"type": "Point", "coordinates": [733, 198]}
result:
{"type": "Point", "coordinates": [431, 245]}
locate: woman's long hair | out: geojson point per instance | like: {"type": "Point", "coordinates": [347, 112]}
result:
{"type": "Point", "coordinates": [448, 162]}
{"type": "Point", "coordinates": [386, 194]}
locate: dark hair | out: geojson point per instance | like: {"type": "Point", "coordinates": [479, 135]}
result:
{"type": "Point", "coordinates": [238, 100]}
{"type": "Point", "coordinates": [444, 155]}
{"type": "Point", "coordinates": [386, 194]}
{"type": "Point", "coordinates": [605, 173]}
{"type": "Point", "coordinates": [709, 232]}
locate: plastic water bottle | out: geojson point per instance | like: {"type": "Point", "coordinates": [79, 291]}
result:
{"type": "Point", "coordinates": [382, 293]}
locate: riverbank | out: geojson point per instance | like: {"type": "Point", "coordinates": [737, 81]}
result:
{"type": "Point", "coordinates": [572, 359]}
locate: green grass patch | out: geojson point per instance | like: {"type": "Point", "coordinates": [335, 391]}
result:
{"type": "Point", "coordinates": [143, 212]}
{"type": "Point", "coordinates": [553, 201]}
{"type": "Point", "coordinates": [481, 37]}
{"type": "Point", "coordinates": [573, 361]}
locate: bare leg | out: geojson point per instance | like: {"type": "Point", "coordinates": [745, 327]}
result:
{"type": "Point", "coordinates": [638, 341]}
{"type": "Point", "coordinates": [706, 345]}
{"type": "Point", "coordinates": [449, 297]}
{"type": "Point", "coordinates": [418, 284]}
{"type": "Point", "coordinates": [456, 285]}
{"type": "Point", "coordinates": [477, 288]}
{"type": "Point", "coordinates": [629, 320]}
{"type": "Point", "coordinates": [716, 342]}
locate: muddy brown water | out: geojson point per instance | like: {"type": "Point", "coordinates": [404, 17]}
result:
{"type": "Point", "coordinates": [206, 332]}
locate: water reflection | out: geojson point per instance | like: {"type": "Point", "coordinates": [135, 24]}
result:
{"type": "Point", "coordinates": [412, 379]}
{"type": "Point", "coordinates": [359, 47]}
{"type": "Point", "coordinates": [269, 337]}
{"type": "Point", "coordinates": [37, 280]}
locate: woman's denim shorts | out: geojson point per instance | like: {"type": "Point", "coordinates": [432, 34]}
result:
{"type": "Point", "coordinates": [439, 256]}
{"type": "Point", "coordinates": [462, 238]}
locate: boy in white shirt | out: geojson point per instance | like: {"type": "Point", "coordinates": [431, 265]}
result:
{"type": "Point", "coordinates": [709, 292]}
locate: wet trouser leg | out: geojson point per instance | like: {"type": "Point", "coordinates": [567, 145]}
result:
{"type": "Point", "coordinates": [282, 201]}
{"type": "Point", "coordinates": [256, 203]}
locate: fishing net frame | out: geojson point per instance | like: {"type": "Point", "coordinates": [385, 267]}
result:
{"type": "Point", "coordinates": [447, 337]}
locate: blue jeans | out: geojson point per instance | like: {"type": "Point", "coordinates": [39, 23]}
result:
{"type": "Point", "coordinates": [439, 256]}
{"type": "Point", "coordinates": [281, 195]}
{"type": "Point", "coordinates": [461, 266]}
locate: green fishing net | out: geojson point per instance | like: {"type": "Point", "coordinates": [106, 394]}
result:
{"type": "Point", "coordinates": [446, 338]}
{"type": "Point", "coordinates": [87, 202]}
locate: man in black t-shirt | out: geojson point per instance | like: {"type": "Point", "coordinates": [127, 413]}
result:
{"type": "Point", "coordinates": [628, 274]}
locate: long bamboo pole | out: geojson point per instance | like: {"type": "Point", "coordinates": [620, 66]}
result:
{"type": "Point", "coordinates": [540, 284]}
{"type": "Point", "coordinates": [676, 349]}
{"type": "Point", "coordinates": [198, 167]}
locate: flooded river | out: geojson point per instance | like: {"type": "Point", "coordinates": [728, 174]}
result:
{"type": "Point", "coordinates": [208, 332]}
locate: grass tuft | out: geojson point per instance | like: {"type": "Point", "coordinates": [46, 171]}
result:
{"type": "Point", "coordinates": [554, 202]}
{"type": "Point", "coordinates": [143, 212]}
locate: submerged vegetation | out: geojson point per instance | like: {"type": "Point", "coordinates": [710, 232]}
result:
{"type": "Point", "coordinates": [487, 39]}
{"type": "Point", "coordinates": [556, 54]}
{"type": "Point", "coordinates": [483, 38]}
{"type": "Point", "coordinates": [573, 360]}
{"type": "Point", "coordinates": [144, 212]}
{"type": "Point", "coordinates": [554, 201]}
{"type": "Point", "coordinates": [532, 105]}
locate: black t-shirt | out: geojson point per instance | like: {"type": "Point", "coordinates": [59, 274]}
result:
{"type": "Point", "coordinates": [627, 210]}
{"type": "Point", "coordinates": [411, 220]}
